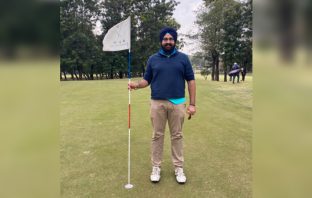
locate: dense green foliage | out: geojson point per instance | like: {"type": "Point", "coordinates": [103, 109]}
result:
{"type": "Point", "coordinates": [226, 35]}
{"type": "Point", "coordinates": [81, 50]}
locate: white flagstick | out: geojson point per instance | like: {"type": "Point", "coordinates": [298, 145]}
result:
{"type": "Point", "coordinates": [129, 185]}
{"type": "Point", "coordinates": [119, 38]}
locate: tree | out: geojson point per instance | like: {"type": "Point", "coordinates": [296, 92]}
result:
{"type": "Point", "coordinates": [246, 41]}
{"type": "Point", "coordinates": [210, 22]}
{"type": "Point", "coordinates": [81, 54]}
{"type": "Point", "coordinates": [231, 35]}
{"type": "Point", "coordinates": [226, 33]}
{"type": "Point", "coordinates": [78, 43]}
{"type": "Point", "coordinates": [147, 18]}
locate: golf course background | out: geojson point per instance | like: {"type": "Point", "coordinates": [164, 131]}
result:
{"type": "Point", "coordinates": [94, 138]}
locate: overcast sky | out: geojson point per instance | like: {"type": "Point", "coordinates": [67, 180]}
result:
{"type": "Point", "coordinates": [185, 15]}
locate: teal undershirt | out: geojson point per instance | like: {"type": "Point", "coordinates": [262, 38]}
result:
{"type": "Point", "coordinates": [177, 101]}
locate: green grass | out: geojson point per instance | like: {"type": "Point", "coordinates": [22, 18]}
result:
{"type": "Point", "coordinates": [94, 132]}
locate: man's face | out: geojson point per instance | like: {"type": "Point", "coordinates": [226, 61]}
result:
{"type": "Point", "coordinates": [168, 42]}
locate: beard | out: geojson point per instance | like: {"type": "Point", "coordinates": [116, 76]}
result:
{"type": "Point", "coordinates": [168, 47]}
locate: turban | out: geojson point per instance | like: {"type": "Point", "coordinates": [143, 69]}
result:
{"type": "Point", "coordinates": [169, 30]}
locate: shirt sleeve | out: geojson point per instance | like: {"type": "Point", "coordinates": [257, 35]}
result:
{"type": "Point", "coordinates": [148, 73]}
{"type": "Point", "coordinates": [189, 74]}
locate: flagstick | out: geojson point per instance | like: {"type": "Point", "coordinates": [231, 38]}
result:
{"type": "Point", "coordinates": [129, 185]}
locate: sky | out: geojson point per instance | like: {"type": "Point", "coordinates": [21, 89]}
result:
{"type": "Point", "coordinates": [185, 15]}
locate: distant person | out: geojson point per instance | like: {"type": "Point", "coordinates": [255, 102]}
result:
{"type": "Point", "coordinates": [243, 72]}
{"type": "Point", "coordinates": [166, 73]}
{"type": "Point", "coordinates": [234, 72]}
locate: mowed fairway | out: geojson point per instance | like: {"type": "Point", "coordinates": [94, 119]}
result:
{"type": "Point", "coordinates": [94, 142]}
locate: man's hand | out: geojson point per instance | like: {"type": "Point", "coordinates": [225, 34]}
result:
{"type": "Point", "coordinates": [136, 85]}
{"type": "Point", "coordinates": [132, 85]}
{"type": "Point", "coordinates": [191, 110]}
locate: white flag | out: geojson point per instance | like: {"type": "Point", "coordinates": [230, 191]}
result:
{"type": "Point", "coordinates": [118, 37]}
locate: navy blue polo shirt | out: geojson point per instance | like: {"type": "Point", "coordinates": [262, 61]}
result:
{"type": "Point", "coordinates": [166, 75]}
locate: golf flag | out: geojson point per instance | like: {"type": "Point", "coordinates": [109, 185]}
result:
{"type": "Point", "coordinates": [118, 37]}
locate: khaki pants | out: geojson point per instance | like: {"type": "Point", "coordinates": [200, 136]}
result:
{"type": "Point", "coordinates": [161, 111]}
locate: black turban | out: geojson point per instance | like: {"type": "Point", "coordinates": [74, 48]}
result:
{"type": "Point", "coordinates": [169, 30]}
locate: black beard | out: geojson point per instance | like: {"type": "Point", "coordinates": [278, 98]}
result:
{"type": "Point", "coordinates": [168, 44]}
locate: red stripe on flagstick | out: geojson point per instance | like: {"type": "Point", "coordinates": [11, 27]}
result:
{"type": "Point", "coordinates": [129, 109]}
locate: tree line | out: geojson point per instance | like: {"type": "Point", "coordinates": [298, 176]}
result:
{"type": "Point", "coordinates": [225, 34]}
{"type": "Point", "coordinates": [81, 49]}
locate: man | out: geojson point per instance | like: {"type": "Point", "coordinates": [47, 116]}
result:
{"type": "Point", "coordinates": [166, 73]}
{"type": "Point", "coordinates": [235, 72]}
{"type": "Point", "coordinates": [244, 72]}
